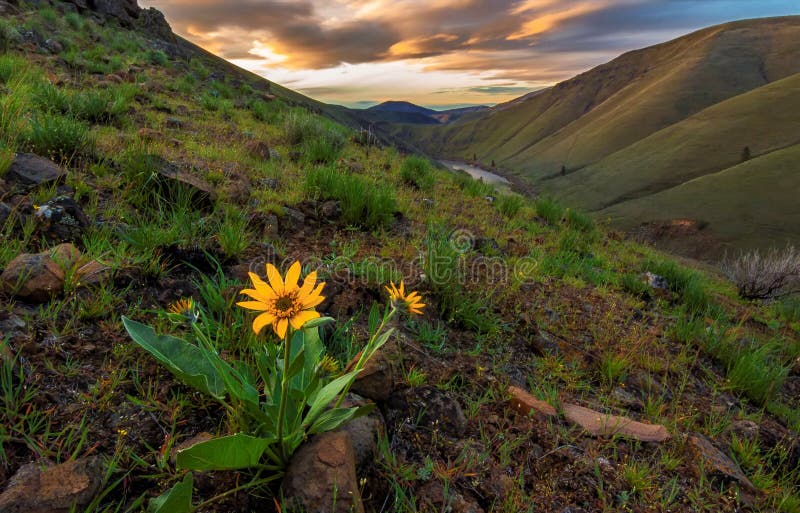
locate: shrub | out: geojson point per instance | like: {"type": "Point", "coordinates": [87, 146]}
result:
{"type": "Point", "coordinates": [765, 276]}
{"type": "Point", "coordinates": [416, 172]}
{"type": "Point", "coordinates": [57, 136]}
{"type": "Point", "coordinates": [509, 205]}
{"type": "Point", "coordinates": [549, 210]}
{"type": "Point", "coordinates": [364, 203]}
{"type": "Point", "coordinates": [157, 57]}
{"type": "Point", "coordinates": [300, 126]}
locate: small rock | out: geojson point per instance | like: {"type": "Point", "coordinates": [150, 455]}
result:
{"type": "Point", "coordinates": [321, 477]}
{"type": "Point", "coordinates": [172, 182]}
{"type": "Point", "coordinates": [61, 220]}
{"type": "Point", "coordinates": [53, 45]}
{"type": "Point", "coordinates": [92, 273]}
{"type": "Point", "coordinates": [54, 489]}
{"type": "Point", "coordinates": [38, 277]}
{"type": "Point", "coordinates": [363, 431]}
{"type": "Point", "coordinates": [526, 404]}
{"type": "Point", "coordinates": [601, 424]}
{"type": "Point", "coordinates": [149, 134]}
{"type": "Point", "coordinates": [432, 497]}
{"type": "Point", "coordinates": [173, 123]}
{"type": "Point", "coordinates": [269, 183]}
{"type": "Point", "coordinates": [745, 430]}
{"type": "Point", "coordinates": [292, 220]}
{"type": "Point", "coordinates": [258, 150]}
{"type": "Point", "coordinates": [431, 407]}
{"type": "Point", "coordinates": [376, 379]}
{"type": "Point", "coordinates": [627, 400]}
{"type": "Point", "coordinates": [655, 281]}
{"type": "Point", "coordinates": [30, 170]}
{"type": "Point", "coordinates": [5, 213]}
{"type": "Point", "coordinates": [330, 210]}
{"type": "Point", "coordinates": [715, 463]}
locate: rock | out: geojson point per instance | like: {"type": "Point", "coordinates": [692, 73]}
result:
{"type": "Point", "coordinates": [153, 22]}
{"type": "Point", "coordinates": [174, 123]}
{"type": "Point", "coordinates": [376, 379]}
{"type": "Point", "coordinates": [627, 400]}
{"type": "Point", "coordinates": [38, 277]}
{"type": "Point", "coordinates": [54, 489]}
{"type": "Point", "coordinates": [292, 220]}
{"type": "Point", "coordinates": [655, 281]}
{"type": "Point", "coordinates": [526, 404]}
{"type": "Point", "coordinates": [269, 183]}
{"type": "Point", "coordinates": [644, 385]}
{"type": "Point", "coordinates": [125, 11]}
{"type": "Point", "coordinates": [744, 430]}
{"type": "Point", "coordinates": [61, 220]}
{"type": "Point", "coordinates": [432, 497]}
{"type": "Point", "coordinates": [258, 149]}
{"type": "Point", "coordinates": [321, 477]}
{"type": "Point", "coordinates": [363, 431]}
{"type": "Point", "coordinates": [31, 170]}
{"type": "Point", "coordinates": [431, 407]}
{"type": "Point", "coordinates": [5, 213]}
{"type": "Point", "coordinates": [92, 273]}
{"type": "Point", "coordinates": [149, 134]}
{"type": "Point", "coordinates": [53, 45]}
{"type": "Point", "coordinates": [601, 424]}
{"type": "Point", "coordinates": [173, 182]}
{"type": "Point", "coordinates": [330, 210]}
{"type": "Point", "coordinates": [715, 463]}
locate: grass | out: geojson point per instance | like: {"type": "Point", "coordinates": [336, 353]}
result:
{"type": "Point", "coordinates": [58, 137]}
{"type": "Point", "coordinates": [364, 203]}
{"type": "Point", "coordinates": [417, 172]}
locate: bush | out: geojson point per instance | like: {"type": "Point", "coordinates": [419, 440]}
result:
{"type": "Point", "coordinates": [509, 205]}
{"type": "Point", "coordinates": [765, 276]}
{"type": "Point", "coordinates": [549, 210]}
{"type": "Point", "coordinates": [416, 172]}
{"type": "Point", "coordinates": [364, 203]}
{"type": "Point", "coordinates": [58, 137]}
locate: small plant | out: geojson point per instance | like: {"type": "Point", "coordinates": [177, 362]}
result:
{"type": "Point", "coordinates": [323, 149]}
{"type": "Point", "coordinates": [364, 203]}
{"type": "Point", "coordinates": [233, 234]}
{"type": "Point", "coordinates": [416, 377]}
{"type": "Point", "coordinates": [58, 137]}
{"type": "Point", "coordinates": [549, 210]}
{"type": "Point", "coordinates": [268, 112]}
{"type": "Point", "coordinates": [765, 276]}
{"type": "Point", "coordinates": [509, 204]}
{"type": "Point", "coordinates": [285, 395]}
{"type": "Point", "coordinates": [157, 57]}
{"type": "Point", "coordinates": [579, 221]}
{"type": "Point", "coordinates": [416, 172]}
{"type": "Point", "coordinates": [8, 35]}
{"type": "Point", "coordinates": [74, 20]}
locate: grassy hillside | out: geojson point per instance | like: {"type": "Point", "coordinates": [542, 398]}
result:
{"type": "Point", "coordinates": [647, 120]}
{"type": "Point", "coordinates": [177, 174]}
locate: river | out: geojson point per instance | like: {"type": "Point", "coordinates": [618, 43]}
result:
{"type": "Point", "coordinates": [476, 172]}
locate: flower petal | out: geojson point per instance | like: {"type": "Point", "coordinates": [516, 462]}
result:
{"type": "Point", "coordinates": [292, 275]}
{"type": "Point", "coordinates": [261, 321]}
{"type": "Point", "coordinates": [258, 295]}
{"type": "Point", "coordinates": [280, 327]}
{"type": "Point", "coordinates": [314, 298]}
{"type": "Point", "coordinates": [303, 317]}
{"type": "Point", "coordinates": [253, 305]}
{"type": "Point", "coordinates": [308, 284]}
{"type": "Point", "coordinates": [275, 279]}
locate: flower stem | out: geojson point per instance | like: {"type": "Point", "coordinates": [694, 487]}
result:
{"type": "Point", "coordinates": [284, 392]}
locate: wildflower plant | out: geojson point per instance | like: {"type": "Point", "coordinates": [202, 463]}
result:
{"type": "Point", "coordinates": [279, 396]}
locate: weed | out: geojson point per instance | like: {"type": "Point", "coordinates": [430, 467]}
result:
{"type": "Point", "coordinates": [233, 235]}
{"type": "Point", "coordinates": [59, 137]}
{"type": "Point", "coordinates": [416, 172]}
{"type": "Point", "coordinates": [549, 210]}
{"type": "Point", "coordinates": [634, 285]}
{"type": "Point", "coordinates": [268, 112]}
{"type": "Point", "coordinates": [364, 203]}
{"type": "Point", "coordinates": [11, 67]}
{"type": "Point", "coordinates": [509, 204]}
{"type": "Point", "coordinates": [416, 377]}
{"type": "Point", "coordinates": [758, 373]}
{"type": "Point", "coordinates": [686, 283]}
{"type": "Point", "coordinates": [432, 337]}
{"type": "Point", "coordinates": [579, 221]}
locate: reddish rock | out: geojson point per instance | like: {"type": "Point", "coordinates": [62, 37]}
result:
{"type": "Point", "coordinates": [376, 379]}
{"type": "Point", "coordinates": [30, 170]}
{"type": "Point", "coordinates": [526, 404]}
{"type": "Point", "coordinates": [92, 273]}
{"type": "Point", "coordinates": [321, 477]}
{"type": "Point", "coordinates": [38, 277]}
{"type": "Point", "coordinates": [716, 463]}
{"type": "Point", "coordinates": [601, 424]}
{"type": "Point", "coordinates": [54, 489]}
{"type": "Point", "coordinates": [257, 149]}
{"type": "Point", "coordinates": [363, 431]}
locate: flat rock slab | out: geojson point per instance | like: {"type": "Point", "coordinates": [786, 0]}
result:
{"type": "Point", "coordinates": [28, 170]}
{"type": "Point", "coordinates": [602, 424]}
{"type": "Point", "coordinates": [715, 462]}
{"type": "Point", "coordinates": [321, 477]}
{"type": "Point", "coordinates": [526, 404]}
{"type": "Point", "coordinates": [54, 489]}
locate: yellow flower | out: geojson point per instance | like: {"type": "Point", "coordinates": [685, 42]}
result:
{"type": "Point", "coordinates": [411, 301]}
{"type": "Point", "coordinates": [282, 301]}
{"type": "Point", "coordinates": [186, 309]}
{"type": "Point", "coordinates": [329, 364]}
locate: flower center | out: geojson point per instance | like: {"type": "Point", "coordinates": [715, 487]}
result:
{"type": "Point", "coordinates": [284, 303]}
{"type": "Point", "coordinates": [286, 306]}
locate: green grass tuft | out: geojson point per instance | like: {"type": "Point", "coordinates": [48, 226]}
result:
{"type": "Point", "coordinates": [364, 203]}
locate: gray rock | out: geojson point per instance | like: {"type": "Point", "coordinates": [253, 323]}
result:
{"type": "Point", "coordinates": [716, 463]}
{"type": "Point", "coordinates": [330, 210]}
{"type": "Point", "coordinates": [61, 220]}
{"type": "Point", "coordinates": [292, 220]}
{"type": "Point", "coordinates": [5, 212]}
{"type": "Point", "coordinates": [30, 170]}
{"type": "Point", "coordinates": [363, 431]}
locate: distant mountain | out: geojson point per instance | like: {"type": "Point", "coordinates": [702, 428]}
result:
{"type": "Point", "coordinates": [402, 112]}
{"type": "Point", "coordinates": [635, 138]}
{"type": "Point", "coordinates": [404, 107]}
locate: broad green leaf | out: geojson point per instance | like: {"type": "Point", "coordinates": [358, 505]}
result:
{"type": "Point", "coordinates": [177, 500]}
{"type": "Point", "coordinates": [334, 418]}
{"type": "Point", "coordinates": [319, 321]}
{"type": "Point", "coordinates": [324, 397]}
{"type": "Point", "coordinates": [374, 318]}
{"type": "Point", "coordinates": [186, 361]}
{"type": "Point", "coordinates": [226, 453]}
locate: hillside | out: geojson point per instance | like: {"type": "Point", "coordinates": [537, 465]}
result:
{"type": "Point", "coordinates": [648, 120]}
{"type": "Point", "coordinates": [158, 353]}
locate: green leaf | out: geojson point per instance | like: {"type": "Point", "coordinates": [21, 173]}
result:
{"type": "Point", "coordinates": [186, 361]}
{"type": "Point", "coordinates": [374, 318]}
{"type": "Point", "coordinates": [177, 500]}
{"type": "Point", "coordinates": [319, 321]}
{"type": "Point", "coordinates": [324, 397]}
{"type": "Point", "coordinates": [225, 453]}
{"type": "Point", "coordinates": [334, 418]}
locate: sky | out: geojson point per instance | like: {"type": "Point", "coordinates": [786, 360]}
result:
{"type": "Point", "coordinates": [438, 53]}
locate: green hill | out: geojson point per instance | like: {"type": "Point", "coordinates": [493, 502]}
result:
{"type": "Point", "coordinates": [647, 120]}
